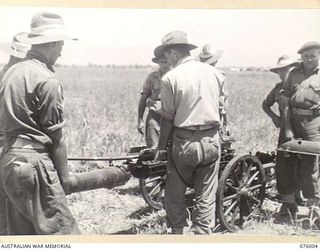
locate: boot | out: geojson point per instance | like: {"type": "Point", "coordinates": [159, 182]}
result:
{"type": "Point", "coordinates": [287, 214]}
{"type": "Point", "coordinates": [177, 230]}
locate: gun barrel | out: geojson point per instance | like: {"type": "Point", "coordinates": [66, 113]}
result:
{"type": "Point", "coordinates": [301, 147]}
{"type": "Point", "coordinates": [103, 178]}
{"type": "Point", "coordinates": [122, 158]}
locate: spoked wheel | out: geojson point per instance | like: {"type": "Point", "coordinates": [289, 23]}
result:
{"type": "Point", "coordinates": [241, 191]}
{"type": "Point", "coordinates": [152, 190]}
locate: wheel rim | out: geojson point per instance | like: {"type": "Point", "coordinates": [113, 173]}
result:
{"type": "Point", "coordinates": [152, 190]}
{"type": "Point", "coordinates": [241, 191]}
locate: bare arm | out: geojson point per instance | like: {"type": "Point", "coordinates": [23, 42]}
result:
{"type": "Point", "coordinates": [286, 116]}
{"type": "Point", "coordinates": [59, 157]}
{"type": "Point", "coordinates": [275, 118]}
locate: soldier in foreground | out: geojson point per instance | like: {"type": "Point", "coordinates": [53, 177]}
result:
{"type": "Point", "coordinates": [17, 51]}
{"type": "Point", "coordinates": [301, 100]}
{"type": "Point", "coordinates": [150, 98]}
{"type": "Point", "coordinates": [189, 131]}
{"type": "Point", "coordinates": [33, 165]}
{"type": "Point", "coordinates": [281, 69]}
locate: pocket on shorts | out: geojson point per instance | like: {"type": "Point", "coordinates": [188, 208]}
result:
{"type": "Point", "coordinates": [23, 175]}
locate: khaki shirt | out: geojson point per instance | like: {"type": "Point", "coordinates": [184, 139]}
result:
{"type": "Point", "coordinates": [151, 88]}
{"type": "Point", "coordinates": [3, 71]}
{"type": "Point", "coordinates": [190, 94]}
{"type": "Point", "coordinates": [303, 90]}
{"type": "Point", "coordinates": [31, 100]}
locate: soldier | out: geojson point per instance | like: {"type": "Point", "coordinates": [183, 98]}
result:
{"type": "Point", "coordinates": [301, 100]}
{"type": "Point", "coordinates": [190, 122]}
{"type": "Point", "coordinates": [150, 97]}
{"type": "Point", "coordinates": [33, 165]}
{"type": "Point", "coordinates": [283, 65]}
{"type": "Point", "coordinates": [211, 56]}
{"type": "Point", "coordinates": [17, 51]}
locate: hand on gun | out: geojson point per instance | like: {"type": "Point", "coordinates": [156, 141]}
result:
{"type": "Point", "coordinates": [160, 155]}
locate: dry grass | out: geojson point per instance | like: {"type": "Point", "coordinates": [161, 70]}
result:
{"type": "Point", "coordinates": [101, 110]}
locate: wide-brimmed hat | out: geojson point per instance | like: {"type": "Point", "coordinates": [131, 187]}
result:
{"type": "Point", "coordinates": [46, 27]}
{"type": "Point", "coordinates": [16, 48]}
{"type": "Point", "coordinates": [283, 61]}
{"type": "Point", "coordinates": [308, 46]}
{"type": "Point", "coordinates": [209, 54]}
{"type": "Point", "coordinates": [157, 56]}
{"type": "Point", "coordinates": [174, 38]}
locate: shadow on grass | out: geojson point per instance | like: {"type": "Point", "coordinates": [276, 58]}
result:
{"type": "Point", "coordinates": [143, 212]}
{"type": "Point", "coordinates": [129, 190]}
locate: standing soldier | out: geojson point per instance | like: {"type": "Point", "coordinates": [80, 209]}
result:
{"type": "Point", "coordinates": [33, 166]}
{"type": "Point", "coordinates": [17, 51]}
{"type": "Point", "coordinates": [150, 97]}
{"type": "Point", "coordinates": [283, 65]}
{"type": "Point", "coordinates": [190, 122]}
{"type": "Point", "coordinates": [211, 56]}
{"type": "Point", "coordinates": [301, 100]}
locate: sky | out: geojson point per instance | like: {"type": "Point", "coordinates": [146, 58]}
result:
{"type": "Point", "coordinates": [248, 37]}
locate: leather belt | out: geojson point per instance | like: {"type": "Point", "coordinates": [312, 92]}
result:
{"type": "Point", "coordinates": [200, 127]}
{"type": "Point", "coordinates": [299, 111]}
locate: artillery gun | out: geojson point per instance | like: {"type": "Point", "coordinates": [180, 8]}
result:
{"type": "Point", "coordinates": [241, 188]}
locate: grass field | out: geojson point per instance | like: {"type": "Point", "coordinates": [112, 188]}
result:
{"type": "Point", "coordinates": [101, 113]}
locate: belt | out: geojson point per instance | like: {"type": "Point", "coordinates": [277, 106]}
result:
{"type": "Point", "coordinates": [27, 144]}
{"type": "Point", "coordinates": [299, 111]}
{"type": "Point", "coordinates": [200, 127]}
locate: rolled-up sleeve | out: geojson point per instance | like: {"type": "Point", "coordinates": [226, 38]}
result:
{"type": "Point", "coordinates": [167, 100]}
{"type": "Point", "coordinates": [50, 105]}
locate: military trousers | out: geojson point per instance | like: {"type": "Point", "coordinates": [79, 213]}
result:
{"type": "Point", "coordinates": [303, 171]}
{"type": "Point", "coordinates": [194, 162]}
{"type": "Point", "coordinates": [35, 202]}
{"type": "Point", "coordinates": [285, 169]}
{"type": "Point", "coordinates": [152, 129]}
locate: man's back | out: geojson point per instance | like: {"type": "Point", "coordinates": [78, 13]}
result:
{"type": "Point", "coordinates": [24, 100]}
{"type": "Point", "coordinates": [195, 88]}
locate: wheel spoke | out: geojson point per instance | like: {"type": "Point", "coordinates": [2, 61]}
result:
{"type": "Point", "coordinates": [252, 177]}
{"type": "Point", "coordinates": [252, 188]}
{"type": "Point", "coordinates": [152, 180]}
{"type": "Point", "coordinates": [230, 208]}
{"type": "Point", "coordinates": [230, 197]}
{"type": "Point", "coordinates": [255, 199]}
{"type": "Point", "coordinates": [232, 187]}
{"type": "Point", "coordinates": [154, 189]}
{"type": "Point", "coordinates": [234, 215]}
{"type": "Point", "coordinates": [159, 196]}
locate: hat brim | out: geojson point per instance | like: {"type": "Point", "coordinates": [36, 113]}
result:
{"type": "Point", "coordinates": [155, 60]}
{"type": "Point", "coordinates": [160, 49]}
{"type": "Point", "coordinates": [37, 39]}
{"type": "Point", "coordinates": [6, 48]}
{"type": "Point", "coordinates": [211, 59]}
{"type": "Point", "coordinates": [275, 69]}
